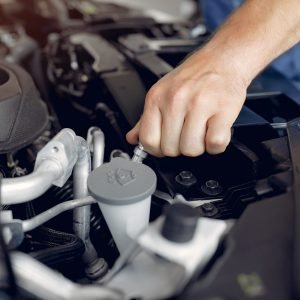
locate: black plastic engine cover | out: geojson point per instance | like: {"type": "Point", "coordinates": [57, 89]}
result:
{"type": "Point", "coordinates": [23, 115]}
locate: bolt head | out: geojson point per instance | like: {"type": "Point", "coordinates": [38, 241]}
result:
{"type": "Point", "coordinates": [209, 209]}
{"type": "Point", "coordinates": [186, 178]}
{"type": "Point", "coordinates": [211, 187]}
{"type": "Point", "coordinates": [212, 184]}
{"type": "Point", "coordinates": [186, 175]}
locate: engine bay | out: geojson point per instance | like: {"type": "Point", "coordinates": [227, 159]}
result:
{"type": "Point", "coordinates": [85, 215]}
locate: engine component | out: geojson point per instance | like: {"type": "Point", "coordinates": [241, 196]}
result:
{"type": "Point", "coordinates": [100, 60]}
{"type": "Point", "coordinates": [123, 189]}
{"type": "Point", "coordinates": [11, 229]}
{"type": "Point", "coordinates": [23, 116]}
{"type": "Point", "coordinates": [63, 248]}
{"type": "Point", "coordinates": [96, 142]}
{"type": "Point", "coordinates": [38, 220]}
{"type": "Point", "coordinates": [7, 278]}
{"type": "Point", "coordinates": [166, 266]}
{"type": "Point", "coordinates": [139, 154]}
{"type": "Point", "coordinates": [64, 149]}
{"type": "Point", "coordinates": [82, 215]}
{"type": "Point", "coordinates": [15, 45]}
{"type": "Point", "coordinates": [180, 223]}
{"type": "Point", "coordinates": [40, 282]}
{"type": "Point", "coordinates": [29, 187]}
{"type": "Point", "coordinates": [53, 166]}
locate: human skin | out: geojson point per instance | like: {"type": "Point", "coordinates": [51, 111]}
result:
{"type": "Point", "coordinates": [191, 110]}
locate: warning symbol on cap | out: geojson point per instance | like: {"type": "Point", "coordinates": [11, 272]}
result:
{"type": "Point", "coordinates": [122, 177]}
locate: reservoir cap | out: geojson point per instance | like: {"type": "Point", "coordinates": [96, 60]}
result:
{"type": "Point", "coordinates": [121, 182]}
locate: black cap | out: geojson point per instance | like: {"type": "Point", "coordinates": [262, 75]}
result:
{"type": "Point", "coordinates": [180, 223]}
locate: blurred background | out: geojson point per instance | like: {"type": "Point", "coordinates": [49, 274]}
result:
{"type": "Point", "coordinates": [178, 8]}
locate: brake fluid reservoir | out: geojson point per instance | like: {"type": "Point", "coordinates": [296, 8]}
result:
{"type": "Point", "coordinates": [123, 190]}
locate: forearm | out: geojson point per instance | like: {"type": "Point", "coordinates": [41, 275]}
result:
{"type": "Point", "coordinates": [257, 33]}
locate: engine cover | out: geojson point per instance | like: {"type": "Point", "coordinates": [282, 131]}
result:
{"type": "Point", "coordinates": [23, 116]}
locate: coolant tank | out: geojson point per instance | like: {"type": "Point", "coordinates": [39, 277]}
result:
{"type": "Point", "coordinates": [123, 190]}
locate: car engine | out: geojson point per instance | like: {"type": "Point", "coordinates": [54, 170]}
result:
{"type": "Point", "coordinates": [85, 215]}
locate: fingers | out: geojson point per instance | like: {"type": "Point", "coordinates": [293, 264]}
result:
{"type": "Point", "coordinates": [187, 116]}
{"type": "Point", "coordinates": [192, 140]}
{"type": "Point", "coordinates": [191, 136]}
{"type": "Point", "coordinates": [218, 133]}
{"type": "Point", "coordinates": [150, 131]}
{"type": "Point", "coordinates": [133, 135]}
{"type": "Point", "coordinates": [171, 130]}
{"type": "Point", "coordinates": [172, 122]}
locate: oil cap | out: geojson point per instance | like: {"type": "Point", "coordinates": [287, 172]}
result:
{"type": "Point", "coordinates": [180, 223]}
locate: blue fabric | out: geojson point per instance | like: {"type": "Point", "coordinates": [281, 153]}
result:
{"type": "Point", "coordinates": [216, 11]}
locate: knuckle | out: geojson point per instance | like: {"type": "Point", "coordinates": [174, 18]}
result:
{"type": "Point", "coordinates": [178, 94]}
{"type": "Point", "coordinates": [154, 94]}
{"type": "Point", "coordinates": [148, 142]}
{"type": "Point", "coordinates": [216, 144]}
{"type": "Point", "coordinates": [205, 98]}
{"type": "Point", "coordinates": [192, 152]}
{"type": "Point", "coordinates": [169, 151]}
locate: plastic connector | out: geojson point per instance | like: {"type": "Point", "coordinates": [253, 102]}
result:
{"type": "Point", "coordinates": [63, 150]}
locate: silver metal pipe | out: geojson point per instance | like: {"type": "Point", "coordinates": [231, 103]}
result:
{"type": "Point", "coordinates": [30, 187]}
{"type": "Point", "coordinates": [98, 147]}
{"type": "Point", "coordinates": [82, 215]}
{"type": "Point", "coordinates": [42, 218]}
{"type": "Point", "coordinates": [43, 283]}
{"type": "Point", "coordinates": [53, 166]}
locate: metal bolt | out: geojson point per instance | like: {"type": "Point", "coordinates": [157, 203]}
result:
{"type": "Point", "coordinates": [212, 184]}
{"type": "Point", "coordinates": [186, 175]}
{"type": "Point", "coordinates": [186, 178]}
{"type": "Point", "coordinates": [209, 209]}
{"type": "Point", "coordinates": [211, 188]}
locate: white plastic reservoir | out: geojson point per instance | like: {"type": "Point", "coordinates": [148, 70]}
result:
{"type": "Point", "coordinates": [123, 190]}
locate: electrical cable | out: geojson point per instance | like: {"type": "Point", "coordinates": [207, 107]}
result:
{"type": "Point", "coordinates": [62, 248]}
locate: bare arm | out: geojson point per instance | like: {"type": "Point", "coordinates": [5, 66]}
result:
{"type": "Point", "coordinates": [192, 109]}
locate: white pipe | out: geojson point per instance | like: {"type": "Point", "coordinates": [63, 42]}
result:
{"type": "Point", "coordinates": [82, 215]}
{"type": "Point", "coordinates": [29, 187]}
{"type": "Point", "coordinates": [43, 283]}
{"type": "Point", "coordinates": [42, 218]}
{"type": "Point", "coordinates": [96, 143]}
{"type": "Point", "coordinates": [98, 148]}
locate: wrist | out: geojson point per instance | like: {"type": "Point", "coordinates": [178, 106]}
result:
{"type": "Point", "coordinates": [220, 61]}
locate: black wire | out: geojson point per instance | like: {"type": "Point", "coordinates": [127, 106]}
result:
{"type": "Point", "coordinates": [62, 249]}
{"type": "Point", "coordinates": [111, 116]}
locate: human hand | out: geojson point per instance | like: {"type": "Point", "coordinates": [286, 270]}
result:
{"type": "Point", "coordinates": [191, 110]}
